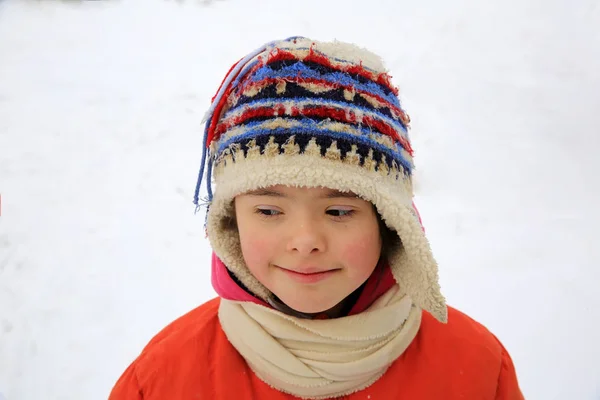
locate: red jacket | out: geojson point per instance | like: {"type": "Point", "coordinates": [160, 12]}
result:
{"type": "Point", "coordinates": [191, 359]}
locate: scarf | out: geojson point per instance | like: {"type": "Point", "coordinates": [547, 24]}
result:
{"type": "Point", "coordinates": [320, 359]}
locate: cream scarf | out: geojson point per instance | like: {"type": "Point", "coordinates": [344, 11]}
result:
{"type": "Point", "coordinates": [321, 358]}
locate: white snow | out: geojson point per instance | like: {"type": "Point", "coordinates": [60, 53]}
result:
{"type": "Point", "coordinates": [100, 142]}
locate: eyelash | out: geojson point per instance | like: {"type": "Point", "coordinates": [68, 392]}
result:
{"type": "Point", "coordinates": [265, 212]}
{"type": "Point", "coordinates": [347, 213]}
{"type": "Point", "coordinates": [270, 213]}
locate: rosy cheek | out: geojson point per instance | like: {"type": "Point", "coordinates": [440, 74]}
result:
{"type": "Point", "coordinates": [255, 249]}
{"type": "Point", "coordinates": [362, 249]}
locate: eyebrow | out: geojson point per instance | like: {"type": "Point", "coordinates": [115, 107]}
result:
{"type": "Point", "coordinates": [335, 194]}
{"type": "Point", "coordinates": [331, 194]}
{"type": "Point", "coordinates": [265, 192]}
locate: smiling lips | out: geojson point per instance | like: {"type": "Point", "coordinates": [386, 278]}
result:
{"type": "Point", "coordinates": [309, 275]}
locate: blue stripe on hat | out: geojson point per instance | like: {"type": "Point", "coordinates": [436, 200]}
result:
{"type": "Point", "coordinates": [300, 69]}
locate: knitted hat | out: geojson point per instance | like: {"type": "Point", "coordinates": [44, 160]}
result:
{"type": "Point", "coordinates": [303, 113]}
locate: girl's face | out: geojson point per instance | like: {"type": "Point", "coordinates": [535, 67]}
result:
{"type": "Point", "coordinates": [311, 247]}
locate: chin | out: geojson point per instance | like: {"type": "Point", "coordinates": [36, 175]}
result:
{"type": "Point", "coordinates": [310, 307]}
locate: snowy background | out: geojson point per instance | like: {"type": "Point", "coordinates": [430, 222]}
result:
{"type": "Point", "coordinates": [100, 142]}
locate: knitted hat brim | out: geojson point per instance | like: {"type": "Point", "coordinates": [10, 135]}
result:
{"type": "Point", "coordinates": [411, 260]}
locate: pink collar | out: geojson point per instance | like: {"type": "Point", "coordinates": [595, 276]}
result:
{"type": "Point", "coordinates": [227, 288]}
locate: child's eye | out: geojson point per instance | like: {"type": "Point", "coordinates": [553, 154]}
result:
{"type": "Point", "coordinates": [340, 213]}
{"type": "Point", "coordinates": [267, 212]}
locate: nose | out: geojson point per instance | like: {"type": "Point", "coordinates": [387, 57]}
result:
{"type": "Point", "coordinates": [307, 238]}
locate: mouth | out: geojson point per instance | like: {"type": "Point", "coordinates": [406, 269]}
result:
{"type": "Point", "coordinates": [309, 275]}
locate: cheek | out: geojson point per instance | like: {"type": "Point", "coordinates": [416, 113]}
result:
{"type": "Point", "coordinates": [255, 248]}
{"type": "Point", "coordinates": [362, 251]}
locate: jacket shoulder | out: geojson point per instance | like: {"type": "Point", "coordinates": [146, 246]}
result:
{"type": "Point", "coordinates": [461, 359]}
{"type": "Point", "coordinates": [464, 352]}
{"type": "Point", "coordinates": [186, 327]}
{"type": "Point", "coordinates": [181, 346]}
{"type": "Point", "coordinates": [483, 358]}
{"type": "Point", "coordinates": [462, 331]}
{"type": "Point", "coordinates": [173, 361]}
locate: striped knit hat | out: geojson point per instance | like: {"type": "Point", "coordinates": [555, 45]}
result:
{"type": "Point", "coordinates": [303, 113]}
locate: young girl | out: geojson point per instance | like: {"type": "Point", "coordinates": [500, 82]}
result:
{"type": "Point", "coordinates": [327, 285]}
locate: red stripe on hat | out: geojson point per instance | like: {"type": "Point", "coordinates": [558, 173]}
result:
{"type": "Point", "coordinates": [382, 78]}
{"type": "Point", "coordinates": [240, 119]}
{"type": "Point", "coordinates": [281, 55]}
{"type": "Point", "coordinates": [313, 56]}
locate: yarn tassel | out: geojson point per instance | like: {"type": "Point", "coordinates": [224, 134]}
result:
{"type": "Point", "coordinates": [231, 80]}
